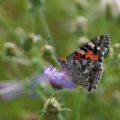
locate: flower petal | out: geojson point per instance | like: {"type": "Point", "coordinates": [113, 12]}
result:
{"type": "Point", "coordinates": [58, 79]}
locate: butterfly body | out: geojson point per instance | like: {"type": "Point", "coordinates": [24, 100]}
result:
{"type": "Point", "coordinates": [84, 66]}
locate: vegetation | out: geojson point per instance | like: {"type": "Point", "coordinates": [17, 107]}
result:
{"type": "Point", "coordinates": [33, 33]}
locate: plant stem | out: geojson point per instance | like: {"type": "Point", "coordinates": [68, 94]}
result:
{"type": "Point", "coordinates": [46, 28]}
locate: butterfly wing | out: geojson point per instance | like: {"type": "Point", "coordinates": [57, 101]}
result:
{"type": "Point", "coordinates": [84, 66]}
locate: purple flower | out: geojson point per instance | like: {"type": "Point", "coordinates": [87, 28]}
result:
{"type": "Point", "coordinates": [58, 79]}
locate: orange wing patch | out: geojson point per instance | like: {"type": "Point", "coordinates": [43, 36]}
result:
{"type": "Point", "coordinates": [91, 55]}
{"type": "Point", "coordinates": [87, 55]}
{"type": "Point", "coordinates": [78, 54]}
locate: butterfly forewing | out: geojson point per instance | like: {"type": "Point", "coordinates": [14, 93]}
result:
{"type": "Point", "coordinates": [84, 66]}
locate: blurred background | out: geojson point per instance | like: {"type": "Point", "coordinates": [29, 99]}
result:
{"type": "Point", "coordinates": [32, 33]}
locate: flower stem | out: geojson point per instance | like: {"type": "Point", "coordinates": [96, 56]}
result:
{"type": "Point", "coordinates": [8, 27]}
{"type": "Point", "coordinates": [50, 39]}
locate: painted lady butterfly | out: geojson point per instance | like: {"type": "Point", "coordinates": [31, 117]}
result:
{"type": "Point", "coordinates": [84, 66]}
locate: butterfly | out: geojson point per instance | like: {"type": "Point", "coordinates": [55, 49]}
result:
{"type": "Point", "coordinates": [85, 65]}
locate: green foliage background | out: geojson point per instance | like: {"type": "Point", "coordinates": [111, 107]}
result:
{"type": "Point", "coordinates": [20, 18]}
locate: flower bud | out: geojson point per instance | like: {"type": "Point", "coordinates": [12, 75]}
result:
{"type": "Point", "coordinates": [48, 50]}
{"type": "Point", "coordinates": [48, 54]}
{"type": "Point", "coordinates": [52, 106]}
{"type": "Point", "coordinates": [111, 51]}
{"type": "Point", "coordinates": [80, 25]}
{"type": "Point", "coordinates": [112, 7]}
{"type": "Point", "coordinates": [19, 31]}
{"type": "Point", "coordinates": [116, 45]}
{"type": "Point", "coordinates": [30, 41]}
{"type": "Point", "coordinates": [10, 49]}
